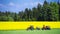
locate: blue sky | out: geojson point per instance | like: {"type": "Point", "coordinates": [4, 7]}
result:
{"type": "Point", "coordinates": [19, 5]}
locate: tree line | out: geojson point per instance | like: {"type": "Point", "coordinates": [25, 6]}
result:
{"type": "Point", "coordinates": [46, 12]}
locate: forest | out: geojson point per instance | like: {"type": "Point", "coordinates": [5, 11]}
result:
{"type": "Point", "coordinates": [46, 12]}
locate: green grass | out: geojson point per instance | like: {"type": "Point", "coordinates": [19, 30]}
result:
{"type": "Point", "coordinates": [52, 31]}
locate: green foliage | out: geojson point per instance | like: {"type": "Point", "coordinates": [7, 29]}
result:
{"type": "Point", "coordinates": [6, 18]}
{"type": "Point", "coordinates": [46, 12]}
{"type": "Point", "coordinates": [54, 11]}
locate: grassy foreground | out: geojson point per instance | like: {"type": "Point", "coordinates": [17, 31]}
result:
{"type": "Point", "coordinates": [53, 31]}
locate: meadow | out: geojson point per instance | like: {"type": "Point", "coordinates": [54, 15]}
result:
{"type": "Point", "coordinates": [20, 27]}
{"type": "Point", "coordinates": [53, 31]}
{"type": "Point", "coordinates": [24, 25]}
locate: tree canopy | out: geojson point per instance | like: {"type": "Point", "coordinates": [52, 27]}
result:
{"type": "Point", "coordinates": [46, 12]}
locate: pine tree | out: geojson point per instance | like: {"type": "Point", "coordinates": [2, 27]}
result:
{"type": "Point", "coordinates": [44, 9]}
{"type": "Point", "coordinates": [59, 9]}
{"type": "Point", "coordinates": [40, 14]}
{"type": "Point", "coordinates": [54, 11]}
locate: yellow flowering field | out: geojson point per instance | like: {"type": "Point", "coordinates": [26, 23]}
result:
{"type": "Point", "coordinates": [24, 25]}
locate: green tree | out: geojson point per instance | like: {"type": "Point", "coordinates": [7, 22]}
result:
{"type": "Point", "coordinates": [6, 18]}
{"type": "Point", "coordinates": [15, 17]}
{"type": "Point", "coordinates": [40, 14]}
{"type": "Point", "coordinates": [21, 15]}
{"type": "Point", "coordinates": [30, 15]}
{"type": "Point", "coordinates": [27, 14]}
{"type": "Point", "coordinates": [59, 8]}
{"type": "Point", "coordinates": [54, 11]}
{"type": "Point", "coordinates": [44, 9]}
{"type": "Point", "coordinates": [35, 12]}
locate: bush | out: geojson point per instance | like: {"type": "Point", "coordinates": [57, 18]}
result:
{"type": "Point", "coordinates": [46, 27]}
{"type": "Point", "coordinates": [30, 28]}
{"type": "Point", "coordinates": [37, 28]}
{"type": "Point", "coordinates": [6, 18]}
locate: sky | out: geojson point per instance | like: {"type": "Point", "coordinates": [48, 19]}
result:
{"type": "Point", "coordinates": [19, 5]}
